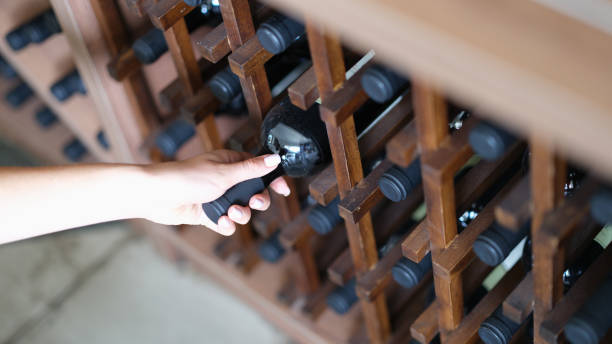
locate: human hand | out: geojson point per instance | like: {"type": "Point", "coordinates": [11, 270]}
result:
{"type": "Point", "coordinates": [185, 185]}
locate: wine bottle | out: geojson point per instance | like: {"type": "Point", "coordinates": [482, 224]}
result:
{"type": "Point", "coordinates": [225, 85]}
{"type": "Point", "coordinates": [74, 150]}
{"type": "Point", "coordinates": [398, 182]}
{"type": "Point", "coordinates": [490, 141]}
{"type": "Point", "coordinates": [170, 139]}
{"type": "Point", "coordinates": [68, 86]}
{"type": "Point", "coordinates": [19, 95]}
{"type": "Point", "coordinates": [45, 117]}
{"type": "Point", "coordinates": [101, 137]}
{"type": "Point", "coordinates": [494, 244]}
{"type": "Point", "coordinates": [575, 269]}
{"type": "Point", "coordinates": [300, 138]}
{"type": "Point", "coordinates": [152, 45]}
{"type": "Point", "coordinates": [36, 30]}
{"type": "Point", "coordinates": [279, 32]}
{"type": "Point", "coordinates": [6, 70]}
{"type": "Point", "coordinates": [497, 328]}
{"type": "Point", "coordinates": [601, 205]}
{"type": "Point", "coordinates": [271, 249]}
{"type": "Point", "coordinates": [342, 298]}
{"type": "Point", "coordinates": [408, 273]}
{"type": "Point", "coordinates": [382, 84]}
{"type": "Point", "coordinates": [592, 321]}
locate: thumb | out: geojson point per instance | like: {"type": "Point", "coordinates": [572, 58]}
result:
{"type": "Point", "coordinates": [250, 168]}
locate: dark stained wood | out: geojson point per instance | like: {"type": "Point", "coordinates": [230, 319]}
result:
{"type": "Point", "coordinates": [324, 187]}
{"type": "Point", "coordinates": [164, 14]}
{"type": "Point", "coordinates": [519, 304]}
{"type": "Point", "coordinates": [296, 231]}
{"type": "Point", "coordinates": [184, 59]}
{"type": "Point", "coordinates": [239, 27]}
{"type": "Point", "coordinates": [548, 175]}
{"type": "Point", "coordinates": [425, 327]}
{"type": "Point", "coordinates": [459, 253]}
{"type": "Point", "coordinates": [515, 210]}
{"type": "Point", "coordinates": [214, 45]}
{"type": "Point", "coordinates": [390, 218]}
{"type": "Point", "coordinates": [328, 64]}
{"type": "Point", "coordinates": [304, 92]}
{"type": "Point", "coordinates": [432, 128]}
{"type": "Point", "coordinates": [553, 322]}
{"type": "Point", "coordinates": [249, 57]}
{"type": "Point", "coordinates": [172, 96]}
{"type": "Point", "coordinates": [403, 147]}
{"type": "Point", "coordinates": [468, 189]}
{"type": "Point", "coordinates": [123, 65]}
{"type": "Point", "coordinates": [346, 100]}
{"type": "Point", "coordinates": [467, 331]}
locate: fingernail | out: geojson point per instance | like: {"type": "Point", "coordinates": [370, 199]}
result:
{"type": "Point", "coordinates": [272, 160]}
{"type": "Point", "coordinates": [286, 191]}
{"type": "Point", "coordinates": [224, 222]}
{"type": "Point", "coordinates": [235, 213]}
{"type": "Point", "coordinates": [257, 203]}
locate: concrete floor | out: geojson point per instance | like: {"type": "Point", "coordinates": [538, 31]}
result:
{"type": "Point", "coordinates": [103, 284]}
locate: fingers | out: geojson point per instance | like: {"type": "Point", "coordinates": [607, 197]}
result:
{"type": "Point", "coordinates": [251, 168]}
{"type": "Point", "coordinates": [224, 226]}
{"type": "Point", "coordinates": [280, 186]}
{"type": "Point", "coordinates": [239, 214]}
{"type": "Point", "coordinates": [260, 201]}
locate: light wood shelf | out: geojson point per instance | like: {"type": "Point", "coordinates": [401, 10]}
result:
{"type": "Point", "coordinates": [41, 65]}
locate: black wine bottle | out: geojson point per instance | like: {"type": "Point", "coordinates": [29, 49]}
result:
{"type": "Point", "coordinates": [67, 86]}
{"type": "Point", "coordinates": [36, 30]}
{"type": "Point", "coordinates": [494, 244]}
{"type": "Point", "coordinates": [408, 273]}
{"type": "Point", "coordinates": [271, 249]}
{"type": "Point", "coordinates": [279, 32]}
{"type": "Point", "coordinates": [601, 205]}
{"type": "Point", "coordinates": [74, 150]}
{"type": "Point", "coordinates": [300, 138]}
{"type": "Point", "coordinates": [225, 85]}
{"type": "Point", "coordinates": [152, 45]}
{"type": "Point", "coordinates": [101, 138]}
{"type": "Point", "coordinates": [593, 320]}
{"type": "Point", "coordinates": [18, 95]}
{"type": "Point", "coordinates": [497, 328]}
{"type": "Point", "coordinates": [490, 141]}
{"type": "Point", "coordinates": [398, 182]}
{"type": "Point", "coordinates": [171, 138]}
{"type": "Point", "coordinates": [575, 269]}
{"type": "Point", "coordinates": [6, 70]}
{"type": "Point", "coordinates": [382, 83]}
{"type": "Point", "coordinates": [45, 117]}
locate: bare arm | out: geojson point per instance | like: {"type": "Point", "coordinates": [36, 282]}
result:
{"type": "Point", "coordinates": [37, 201]}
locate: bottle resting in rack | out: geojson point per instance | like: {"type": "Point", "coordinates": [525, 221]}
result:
{"type": "Point", "coordinates": [45, 117]}
{"type": "Point", "coordinates": [36, 30]}
{"type": "Point", "coordinates": [279, 32]}
{"type": "Point", "coordinates": [593, 320]}
{"type": "Point", "coordinates": [67, 86]}
{"type": "Point", "coordinates": [398, 182]}
{"type": "Point", "coordinates": [19, 95]}
{"type": "Point", "coordinates": [74, 150]}
{"type": "Point", "coordinates": [172, 137]}
{"type": "Point", "coordinates": [152, 45]}
{"type": "Point", "coordinates": [490, 141]}
{"type": "Point", "coordinates": [271, 250]}
{"type": "Point", "coordinates": [382, 83]}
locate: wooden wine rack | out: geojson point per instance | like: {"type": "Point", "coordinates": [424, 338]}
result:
{"type": "Point", "coordinates": [516, 63]}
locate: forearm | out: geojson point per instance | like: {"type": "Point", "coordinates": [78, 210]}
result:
{"type": "Point", "coordinates": [37, 201]}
